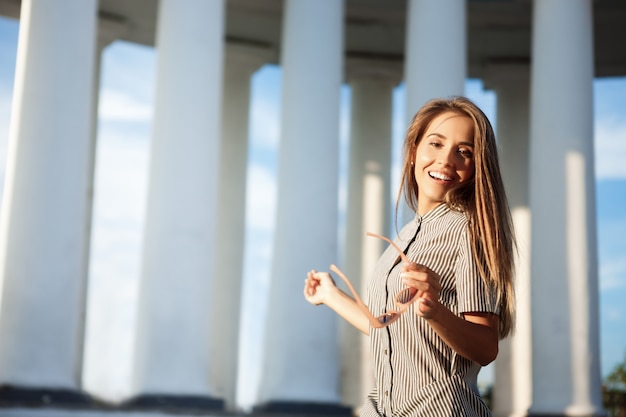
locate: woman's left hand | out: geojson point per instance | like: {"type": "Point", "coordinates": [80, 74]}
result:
{"type": "Point", "coordinates": [428, 285]}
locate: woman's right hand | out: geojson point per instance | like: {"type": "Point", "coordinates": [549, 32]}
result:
{"type": "Point", "coordinates": [318, 286]}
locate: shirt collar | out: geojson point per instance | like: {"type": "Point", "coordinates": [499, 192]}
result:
{"type": "Point", "coordinates": [433, 214]}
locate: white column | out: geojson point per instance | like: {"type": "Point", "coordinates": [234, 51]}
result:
{"type": "Point", "coordinates": [435, 57]}
{"type": "Point", "coordinates": [300, 360]}
{"type": "Point", "coordinates": [436, 51]}
{"type": "Point", "coordinates": [513, 378]}
{"type": "Point", "coordinates": [42, 238]}
{"type": "Point", "coordinates": [566, 375]}
{"type": "Point", "coordinates": [175, 333]}
{"type": "Point", "coordinates": [240, 63]}
{"type": "Point", "coordinates": [368, 203]}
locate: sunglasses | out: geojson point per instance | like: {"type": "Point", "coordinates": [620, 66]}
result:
{"type": "Point", "coordinates": [403, 299]}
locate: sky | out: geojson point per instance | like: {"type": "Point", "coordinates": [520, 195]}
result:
{"type": "Point", "coordinates": [124, 130]}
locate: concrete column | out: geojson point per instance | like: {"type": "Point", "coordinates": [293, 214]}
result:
{"type": "Point", "coordinates": [368, 203]}
{"type": "Point", "coordinates": [566, 373]}
{"type": "Point", "coordinates": [44, 212]}
{"type": "Point", "coordinates": [241, 62]}
{"type": "Point", "coordinates": [301, 356]}
{"type": "Point", "coordinates": [513, 378]}
{"type": "Point", "coordinates": [175, 325]}
{"type": "Point", "coordinates": [436, 51]}
{"type": "Point", "coordinates": [435, 65]}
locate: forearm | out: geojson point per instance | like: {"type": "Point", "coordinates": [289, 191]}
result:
{"type": "Point", "coordinates": [346, 307]}
{"type": "Point", "coordinates": [475, 337]}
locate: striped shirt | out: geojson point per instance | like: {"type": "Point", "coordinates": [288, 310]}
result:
{"type": "Point", "coordinates": [416, 373]}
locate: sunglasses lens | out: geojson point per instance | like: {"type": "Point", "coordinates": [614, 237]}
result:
{"type": "Point", "coordinates": [387, 318]}
{"type": "Point", "coordinates": [406, 296]}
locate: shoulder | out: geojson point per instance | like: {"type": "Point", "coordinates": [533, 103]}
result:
{"type": "Point", "coordinates": [456, 220]}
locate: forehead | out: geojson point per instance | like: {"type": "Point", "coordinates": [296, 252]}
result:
{"type": "Point", "coordinates": [451, 125]}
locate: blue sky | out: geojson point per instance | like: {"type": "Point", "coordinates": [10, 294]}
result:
{"type": "Point", "coordinates": [127, 84]}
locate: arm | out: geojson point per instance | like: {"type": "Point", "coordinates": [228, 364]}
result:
{"type": "Point", "coordinates": [474, 336]}
{"type": "Point", "coordinates": [319, 288]}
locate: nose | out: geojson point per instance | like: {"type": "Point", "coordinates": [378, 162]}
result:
{"type": "Point", "coordinates": [446, 157]}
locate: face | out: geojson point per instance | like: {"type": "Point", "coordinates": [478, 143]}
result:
{"type": "Point", "coordinates": [444, 158]}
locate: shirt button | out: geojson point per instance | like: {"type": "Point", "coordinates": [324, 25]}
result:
{"type": "Point", "coordinates": [386, 393]}
{"type": "Point", "coordinates": [386, 352]}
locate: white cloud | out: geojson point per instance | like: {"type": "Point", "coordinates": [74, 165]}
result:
{"type": "Point", "coordinates": [613, 313]}
{"type": "Point", "coordinates": [613, 274]}
{"type": "Point", "coordinates": [121, 178]}
{"type": "Point", "coordinates": [261, 198]}
{"type": "Point", "coordinates": [131, 68]}
{"type": "Point", "coordinates": [610, 149]}
{"type": "Point", "coordinates": [120, 107]}
{"type": "Point", "coordinates": [265, 123]}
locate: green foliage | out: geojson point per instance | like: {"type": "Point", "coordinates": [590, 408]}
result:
{"type": "Point", "coordinates": [614, 391]}
{"type": "Point", "coordinates": [617, 378]}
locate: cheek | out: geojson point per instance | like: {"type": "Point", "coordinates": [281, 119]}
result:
{"type": "Point", "coordinates": [423, 155]}
{"type": "Point", "coordinates": [467, 172]}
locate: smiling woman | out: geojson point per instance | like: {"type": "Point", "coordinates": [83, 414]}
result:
{"type": "Point", "coordinates": [458, 275]}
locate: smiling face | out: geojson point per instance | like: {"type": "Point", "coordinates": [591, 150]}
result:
{"type": "Point", "coordinates": [444, 158]}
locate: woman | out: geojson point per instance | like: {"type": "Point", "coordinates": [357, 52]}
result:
{"type": "Point", "coordinates": [439, 309]}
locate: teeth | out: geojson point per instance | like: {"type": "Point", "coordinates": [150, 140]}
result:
{"type": "Point", "coordinates": [440, 176]}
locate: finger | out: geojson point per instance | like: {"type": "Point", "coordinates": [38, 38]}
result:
{"type": "Point", "coordinates": [425, 288]}
{"type": "Point", "coordinates": [310, 288]}
{"type": "Point", "coordinates": [409, 267]}
{"type": "Point", "coordinates": [426, 308]}
{"type": "Point", "coordinates": [413, 278]}
{"type": "Point", "coordinates": [423, 269]}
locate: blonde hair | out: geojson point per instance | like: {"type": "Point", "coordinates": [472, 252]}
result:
{"type": "Point", "coordinates": [482, 198]}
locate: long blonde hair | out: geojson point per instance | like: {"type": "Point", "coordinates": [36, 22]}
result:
{"type": "Point", "coordinates": [483, 199]}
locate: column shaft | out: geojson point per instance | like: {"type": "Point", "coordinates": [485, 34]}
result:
{"type": "Point", "coordinates": [368, 210]}
{"type": "Point", "coordinates": [42, 239]}
{"type": "Point", "coordinates": [175, 324]}
{"type": "Point", "coordinates": [435, 65]}
{"type": "Point", "coordinates": [512, 385]}
{"type": "Point", "coordinates": [300, 362]}
{"type": "Point", "coordinates": [240, 64]}
{"type": "Point", "coordinates": [566, 376]}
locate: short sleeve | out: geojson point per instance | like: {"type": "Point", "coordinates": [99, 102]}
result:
{"type": "Point", "coordinates": [472, 292]}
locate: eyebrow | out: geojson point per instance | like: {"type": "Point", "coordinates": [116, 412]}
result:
{"type": "Point", "coordinates": [439, 135]}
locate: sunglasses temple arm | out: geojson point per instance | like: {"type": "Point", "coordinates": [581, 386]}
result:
{"type": "Point", "coordinates": [396, 247]}
{"type": "Point", "coordinates": [373, 321]}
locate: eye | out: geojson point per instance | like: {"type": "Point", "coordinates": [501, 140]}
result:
{"type": "Point", "coordinates": [465, 153]}
{"type": "Point", "coordinates": [435, 144]}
